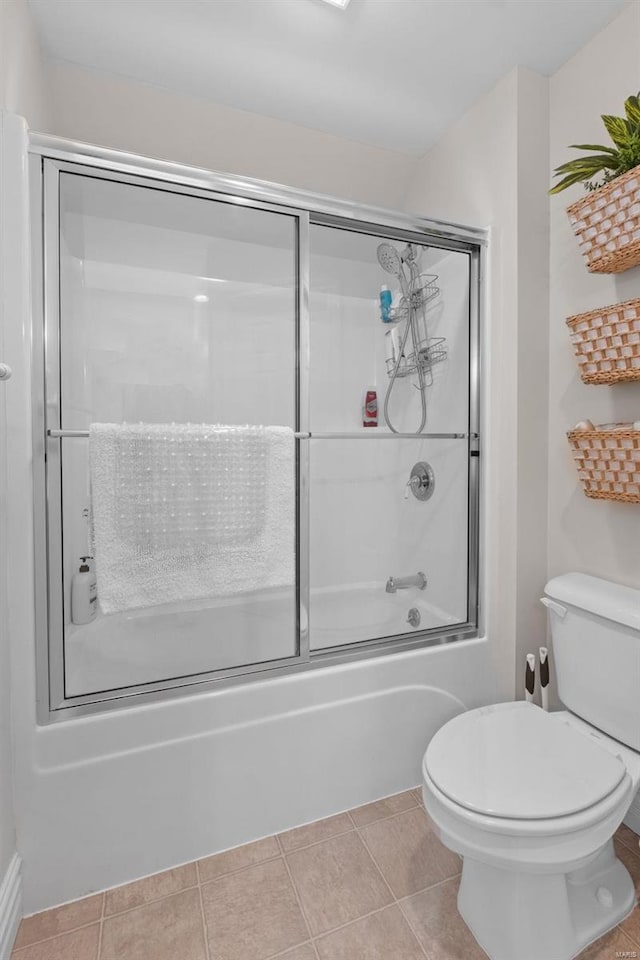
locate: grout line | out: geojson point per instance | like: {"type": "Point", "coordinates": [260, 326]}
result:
{"type": "Point", "coordinates": [392, 816]}
{"type": "Point", "coordinates": [386, 816]}
{"type": "Point", "coordinates": [411, 927]}
{"type": "Point", "coordinates": [295, 890]}
{"type": "Point", "coordinates": [283, 955]}
{"type": "Point", "coordinates": [233, 873]}
{"type": "Point", "coordinates": [432, 886]}
{"type": "Point", "coordinates": [204, 922]}
{"type": "Point", "coordinates": [636, 843]}
{"type": "Point", "coordinates": [147, 903]}
{"type": "Point", "coordinates": [60, 933]}
{"type": "Point", "coordinates": [394, 899]}
{"type": "Point", "coordinates": [99, 951]}
{"type": "Point", "coordinates": [315, 843]}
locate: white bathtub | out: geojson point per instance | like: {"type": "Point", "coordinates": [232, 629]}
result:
{"type": "Point", "coordinates": [108, 798]}
{"type": "Point", "coordinates": [365, 611]}
{"type": "Point", "coordinates": [156, 644]}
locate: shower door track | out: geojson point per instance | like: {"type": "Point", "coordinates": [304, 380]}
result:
{"type": "Point", "coordinates": [50, 156]}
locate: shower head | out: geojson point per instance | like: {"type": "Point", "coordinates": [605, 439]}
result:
{"type": "Point", "coordinates": [389, 260]}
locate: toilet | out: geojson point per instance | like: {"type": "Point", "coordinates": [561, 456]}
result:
{"type": "Point", "coordinates": [530, 800]}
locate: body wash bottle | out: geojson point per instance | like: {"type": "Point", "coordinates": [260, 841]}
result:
{"type": "Point", "coordinates": [84, 594]}
{"type": "Point", "coordinates": [386, 299]}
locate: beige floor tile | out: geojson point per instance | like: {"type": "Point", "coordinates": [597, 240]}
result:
{"type": "Point", "coordinates": [78, 945]}
{"type": "Point", "coordinates": [631, 861]}
{"type": "Point", "coordinates": [380, 809]}
{"type": "Point", "coordinates": [313, 832]}
{"type": "Point", "coordinates": [51, 923]}
{"type": "Point", "coordinates": [628, 837]}
{"type": "Point", "coordinates": [245, 856]}
{"type": "Point", "coordinates": [169, 929]}
{"type": "Point", "coordinates": [253, 914]}
{"type": "Point", "coordinates": [433, 916]}
{"type": "Point", "coordinates": [150, 888]}
{"type": "Point", "coordinates": [631, 926]}
{"type": "Point", "coordinates": [337, 881]}
{"type": "Point", "coordinates": [381, 936]}
{"type": "Point", "coordinates": [614, 944]}
{"type": "Point", "coordinates": [408, 852]}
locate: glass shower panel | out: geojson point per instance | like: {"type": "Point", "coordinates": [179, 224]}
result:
{"type": "Point", "coordinates": [381, 535]}
{"type": "Point", "coordinates": [173, 309]}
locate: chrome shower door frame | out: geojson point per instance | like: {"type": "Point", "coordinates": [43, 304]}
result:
{"type": "Point", "coordinates": [49, 157]}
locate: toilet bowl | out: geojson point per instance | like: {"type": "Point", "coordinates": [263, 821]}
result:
{"type": "Point", "coordinates": [530, 800]}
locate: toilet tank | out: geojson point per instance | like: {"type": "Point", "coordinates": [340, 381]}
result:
{"type": "Point", "coordinates": [595, 632]}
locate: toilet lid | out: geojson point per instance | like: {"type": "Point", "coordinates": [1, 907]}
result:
{"type": "Point", "coordinates": [513, 760]}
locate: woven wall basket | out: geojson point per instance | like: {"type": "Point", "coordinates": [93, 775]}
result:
{"type": "Point", "coordinates": [607, 224]}
{"type": "Point", "coordinates": [607, 342]}
{"type": "Point", "coordinates": [608, 463]}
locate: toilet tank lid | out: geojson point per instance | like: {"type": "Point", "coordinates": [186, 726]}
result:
{"type": "Point", "coordinates": [606, 599]}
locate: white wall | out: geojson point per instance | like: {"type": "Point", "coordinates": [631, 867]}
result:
{"type": "Point", "coordinates": [488, 170]}
{"type": "Point", "coordinates": [597, 537]}
{"type": "Point", "coordinates": [7, 833]}
{"type": "Point", "coordinates": [23, 90]}
{"type": "Point", "coordinates": [23, 73]}
{"type": "Point", "coordinates": [593, 536]}
{"type": "Point", "coordinates": [116, 112]}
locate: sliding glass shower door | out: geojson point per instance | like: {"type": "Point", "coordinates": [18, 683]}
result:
{"type": "Point", "coordinates": [394, 560]}
{"type": "Point", "coordinates": [335, 514]}
{"type": "Point", "coordinates": [173, 309]}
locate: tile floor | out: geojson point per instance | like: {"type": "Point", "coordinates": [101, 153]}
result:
{"type": "Point", "coordinates": [371, 884]}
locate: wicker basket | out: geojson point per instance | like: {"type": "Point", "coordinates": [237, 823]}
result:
{"type": "Point", "coordinates": [607, 342]}
{"type": "Point", "coordinates": [608, 463]}
{"type": "Point", "coordinates": [607, 224]}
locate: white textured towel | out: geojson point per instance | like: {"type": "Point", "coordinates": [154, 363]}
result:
{"type": "Point", "coordinates": [190, 512]}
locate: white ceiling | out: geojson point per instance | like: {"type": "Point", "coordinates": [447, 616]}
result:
{"type": "Point", "coordinates": [392, 73]}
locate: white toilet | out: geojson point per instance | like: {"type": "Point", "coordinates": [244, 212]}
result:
{"type": "Point", "coordinates": [531, 800]}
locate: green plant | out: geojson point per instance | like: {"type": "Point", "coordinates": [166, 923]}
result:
{"type": "Point", "coordinates": [610, 161]}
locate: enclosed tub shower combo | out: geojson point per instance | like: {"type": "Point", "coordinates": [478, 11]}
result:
{"type": "Point", "coordinates": [256, 494]}
{"type": "Point", "coordinates": [186, 319]}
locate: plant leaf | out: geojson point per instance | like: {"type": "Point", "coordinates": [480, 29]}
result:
{"type": "Point", "coordinates": [567, 182]}
{"type": "Point", "coordinates": [592, 146]}
{"type": "Point", "coordinates": [632, 110]}
{"type": "Point", "coordinates": [589, 164]}
{"type": "Point", "coordinates": [618, 129]}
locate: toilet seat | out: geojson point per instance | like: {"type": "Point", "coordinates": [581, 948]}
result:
{"type": "Point", "coordinates": [514, 762]}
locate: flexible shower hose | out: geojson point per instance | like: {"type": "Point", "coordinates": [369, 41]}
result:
{"type": "Point", "coordinates": [394, 375]}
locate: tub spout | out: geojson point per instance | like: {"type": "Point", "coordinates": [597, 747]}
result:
{"type": "Point", "coordinates": [403, 583]}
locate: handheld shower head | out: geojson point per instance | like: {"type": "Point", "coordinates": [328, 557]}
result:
{"type": "Point", "coordinates": [389, 260]}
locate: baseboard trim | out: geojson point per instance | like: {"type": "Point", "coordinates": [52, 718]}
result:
{"type": "Point", "coordinates": [10, 906]}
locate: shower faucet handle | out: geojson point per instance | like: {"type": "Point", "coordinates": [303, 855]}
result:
{"type": "Point", "coordinates": [421, 481]}
{"type": "Point", "coordinates": [413, 484]}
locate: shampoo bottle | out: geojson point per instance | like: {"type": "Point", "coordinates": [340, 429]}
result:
{"type": "Point", "coordinates": [84, 594]}
{"type": "Point", "coordinates": [386, 299]}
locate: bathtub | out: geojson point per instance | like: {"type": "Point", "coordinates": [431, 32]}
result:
{"type": "Point", "coordinates": [364, 611]}
{"type": "Point", "coordinates": [148, 645]}
{"type": "Point", "coordinates": [106, 799]}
